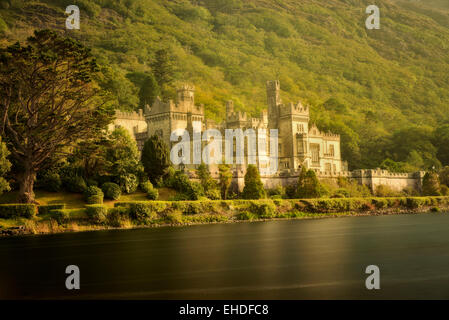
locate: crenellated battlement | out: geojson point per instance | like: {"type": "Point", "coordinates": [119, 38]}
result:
{"type": "Point", "coordinates": [315, 132]}
{"type": "Point", "coordinates": [237, 116]}
{"type": "Point", "coordinates": [132, 115]}
{"type": "Point", "coordinates": [381, 173]}
{"type": "Point", "coordinates": [294, 109]}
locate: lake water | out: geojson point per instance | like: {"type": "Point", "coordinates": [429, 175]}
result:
{"type": "Point", "coordinates": [297, 259]}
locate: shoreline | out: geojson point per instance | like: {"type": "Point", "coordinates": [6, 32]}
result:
{"type": "Point", "coordinates": [77, 227]}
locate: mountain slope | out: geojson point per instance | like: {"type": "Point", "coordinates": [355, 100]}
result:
{"type": "Point", "coordinates": [363, 84]}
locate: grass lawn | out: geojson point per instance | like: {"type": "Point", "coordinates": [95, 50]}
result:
{"type": "Point", "coordinates": [76, 200]}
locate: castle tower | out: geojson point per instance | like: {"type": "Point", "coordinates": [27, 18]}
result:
{"type": "Point", "coordinates": [273, 100]}
{"type": "Point", "coordinates": [186, 96]}
{"type": "Point", "coordinates": [229, 108]}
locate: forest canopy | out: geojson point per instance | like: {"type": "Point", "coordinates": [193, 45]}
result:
{"type": "Point", "coordinates": [386, 92]}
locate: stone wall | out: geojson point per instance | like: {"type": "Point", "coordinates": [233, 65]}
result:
{"type": "Point", "coordinates": [370, 178]}
{"type": "Point", "coordinates": [133, 122]}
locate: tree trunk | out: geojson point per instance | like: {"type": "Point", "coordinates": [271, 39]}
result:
{"type": "Point", "coordinates": [26, 193]}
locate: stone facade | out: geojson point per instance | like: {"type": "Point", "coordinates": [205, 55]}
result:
{"type": "Point", "coordinates": [134, 123]}
{"type": "Point", "coordinates": [301, 144]}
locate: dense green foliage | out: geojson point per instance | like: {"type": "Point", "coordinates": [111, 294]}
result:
{"type": "Point", "coordinates": [155, 158]}
{"type": "Point", "coordinates": [431, 184]}
{"type": "Point", "coordinates": [97, 213]}
{"type": "Point", "coordinates": [151, 212]}
{"type": "Point", "coordinates": [111, 190]}
{"type": "Point", "coordinates": [225, 179]}
{"type": "Point", "coordinates": [150, 190]}
{"type": "Point", "coordinates": [49, 181]}
{"type": "Point", "coordinates": [253, 188]}
{"type": "Point", "coordinates": [12, 211]}
{"type": "Point", "coordinates": [209, 185]}
{"type": "Point", "coordinates": [49, 100]}
{"type": "Point", "coordinates": [93, 195]}
{"type": "Point", "coordinates": [45, 209]}
{"type": "Point", "coordinates": [5, 165]}
{"type": "Point", "coordinates": [186, 188]}
{"type": "Point", "coordinates": [308, 185]}
{"type": "Point", "coordinates": [367, 85]}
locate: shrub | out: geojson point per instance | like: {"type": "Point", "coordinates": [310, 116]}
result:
{"type": "Point", "coordinates": [415, 203]}
{"type": "Point", "coordinates": [19, 210]}
{"type": "Point", "coordinates": [94, 195]}
{"type": "Point", "coordinates": [143, 211]}
{"type": "Point", "coordinates": [213, 194]}
{"type": "Point", "coordinates": [386, 191]}
{"type": "Point", "coordinates": [111, 191]}
{"type": "Point", "coordinates": [174, 217]}
{"type": "Point", "coordinates": [60, 215]}
{"type": "Point", "coordinates": [380, 203]}
{"type": "Point", "coordinates": [195, 190]}
{"type": "Point", "coordinates": [308, 185]}
{"type": "Point", "coordinates": [410, 192]}
{"type": "Point", "coordinates": [431, 184]}
{"type": "Point", "coordinates": [253, 188]}
{"type": "Point", "coordinates": [128, 183]}
{"type": "Point", "coordinates": [117, 216]}
{"type": "Point", "coordinates": [341, 193]}
{"type": "Point", "coordinates": [153, 194]}
{"type": "Point", "coordinates": [435, 209]}
{"type": "Point", "coordinates": [246, 215]}
{"type": "Point", "coordinates": [168, 180]}
{"type": "Point", "coordinates": [278, 192]}
{"type": "Point", "coordinates": [45, 209]}
{"type": "Point", "coordinates": [191, 190]}
{"type": "Point", "coordinates": [148, 188]}
{"type": "Point", "coordinates": [444, 190]}
{"type": "Point", "coordinates": [290, 191]}
{"type": "Point", "coordinates": [263, 210]}
{"type": "Point", "coordinates": [75, 184]}
{"type": "Point", "coordinates": [91, 182]}
{"type": "Point", "coordinates": [97, 213]}
{"type": "Point", "coordinates": [50, 181]}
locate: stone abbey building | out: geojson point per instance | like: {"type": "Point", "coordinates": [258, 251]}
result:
{"type": "Point", "coordinates": [299, 144]}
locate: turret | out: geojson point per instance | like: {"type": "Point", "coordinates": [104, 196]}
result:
{"type": "Point", "coordinates": [186, 95]}
{"type": "Point", "coordinates": [229, 107]}
{"type": "Point", "coordinates": [274, 101]}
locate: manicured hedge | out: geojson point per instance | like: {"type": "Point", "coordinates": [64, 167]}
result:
{"type": "Point", "coordinates": [111, 190]}
{"type": "Point", "coordinates": [44, 209]}
{"type": "Point", "coordinates": [64, 215]}
{"type": "Point", "coordinates": [93, 195]}
{"type": "Point", "coordinates": [117, 216]}
{"type": "Point", "coordinates": [17, 210]}
{"type": "Point", "coordinates": [145, 211]}
{"type": "Point", "coordinates": [97, 213]}
{"type": "Point", "coordinates": [60, 215]}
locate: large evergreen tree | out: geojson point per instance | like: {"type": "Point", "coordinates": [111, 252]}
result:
{"type": "Point", "coordinates": [155, 158]}
{"type": "Point", "coordinates": [48, 101]}
{"type": "Point", "coordinates": [149, 91]}
{"type": "Point", "coordinates": [431, 184]}
{"type": "Point", "coordinates": [225, 179]}
{"type": "Point", "coordinates": [122, 155]}
{"type": "Point", "coordinates": [308, 185]}
{"type": "Point", "coordinates": [164, 72]}
{"type": "Point", "coordinates": [253, 184]}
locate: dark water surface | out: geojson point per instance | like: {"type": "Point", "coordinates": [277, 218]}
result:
{"type": "Point", "coordinates": [298, 259]}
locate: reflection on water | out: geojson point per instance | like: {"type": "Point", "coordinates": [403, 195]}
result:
{"type": "Point", "coordinates": [298, 259]}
